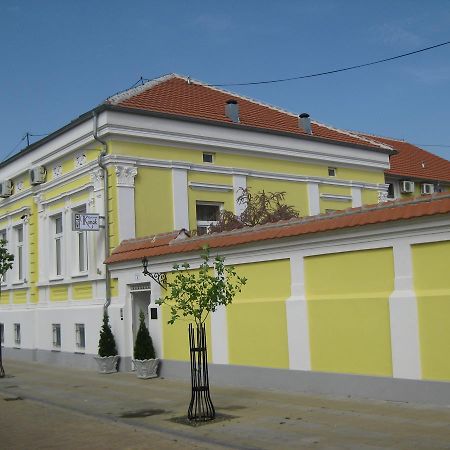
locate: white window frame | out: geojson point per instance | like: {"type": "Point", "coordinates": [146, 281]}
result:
{"type": "Point", "coordinates": [17, 334]}
{"type": "Point", "coordinates": [206, 223]}
{"type": "Point", "coordinates": [57, 237]}
{"type": "Point", "coordinates": [332, 171]}
{"type": "Point", "coordinates": [80, 337]}
{"type": "Point", "coordinates": [56, 336]}
{"type": "Point", "coordinates": [80, 237]}
{"type": "Point", "coordinates": [213, 157]}
{"type": "Point", "coordinates": [20, 254]}
{"type": "Point", "coordinates": [4, 236]}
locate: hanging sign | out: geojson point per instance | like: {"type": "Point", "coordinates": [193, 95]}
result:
{"type": "Point", "coordinates": [85, 222]}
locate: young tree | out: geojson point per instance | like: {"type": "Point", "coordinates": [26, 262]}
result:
{"type": "Point", "coordinates": [107, 343]}
{"type": "Point", "coordinates": [143, 347]}
{"type": "Point", "coordinates": [260, 208]}
{"type": "Point", "coordinates": [6, 263]}
{"type": "Point", "coordinates": [193, 296]}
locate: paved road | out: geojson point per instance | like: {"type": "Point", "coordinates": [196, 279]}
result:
{"type": "Point", "coordinates": [47, 407]}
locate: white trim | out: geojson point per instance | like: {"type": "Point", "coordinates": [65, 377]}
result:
{"type": "Point", "coordinates": [336, 198]}
{"type": "Point", "coordinates": [297, 320]}
{"type": "Point", "coordinates": [125, 201]}
{"type": "Point", "coordinates": [404, 322]}
{"type": "Point", "coordinates": [356, 197]}
{"type": "Point", "coordinates": [239, 183]}
{"type": "Point", "coordinates": [313, 199]}
{"type": "Point", "coordinates": [219, 336]}
{"type": "Point", "coordinates": [210, 187]}
{"type": "Point", "coordinates": [180, 199]}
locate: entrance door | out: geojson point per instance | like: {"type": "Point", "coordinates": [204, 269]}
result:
{"type": "Point", "coordinates": [141, 302]}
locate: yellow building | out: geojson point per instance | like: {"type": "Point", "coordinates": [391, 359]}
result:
{"type": "Point", "coordinates": [167, 155]}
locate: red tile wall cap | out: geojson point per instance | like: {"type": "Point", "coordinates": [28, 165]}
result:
{"type": "Point", "coordinates": [171, 243]}
{"type": "Point", "coordinates": [178, 95]}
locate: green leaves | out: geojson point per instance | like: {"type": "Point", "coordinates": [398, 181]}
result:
{"type": "Point", "coordinates": [195, 294]}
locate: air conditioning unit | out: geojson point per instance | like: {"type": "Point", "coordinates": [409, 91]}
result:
{"type": "Point", "coordinates": [407, 187]}
{"type": "Point", "coordinates": [6, 188]}
{"type": "Point", "coordinates": [38, 175]}
{"type": "Point", "coordinates": [427, 188]}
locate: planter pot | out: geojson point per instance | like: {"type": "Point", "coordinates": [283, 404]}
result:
{"type": "Point", "coordinates": [107, 364]}
{"type": "Point", "coordinates": [146, 368]}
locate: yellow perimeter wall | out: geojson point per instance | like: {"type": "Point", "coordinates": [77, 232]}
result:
{"type": "Point", "coordinates": [431, 265]}
{"type": "Point", "coordinates": [348, 311]}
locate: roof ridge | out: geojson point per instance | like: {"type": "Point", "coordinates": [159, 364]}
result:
{"type": "Point", "coordinates": [378, 136]}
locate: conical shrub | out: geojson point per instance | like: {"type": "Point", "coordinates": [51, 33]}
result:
{"type": "Point", "coordinates": [107, 343]}
{"type": "Point", "coordinates": [143, 347]}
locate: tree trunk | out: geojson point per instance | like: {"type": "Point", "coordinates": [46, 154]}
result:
{"type": "Point", "coordinates": [201, 407]}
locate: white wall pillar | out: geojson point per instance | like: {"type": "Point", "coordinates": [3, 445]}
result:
{"type": "Point", "coordinates": [180, 199]}
{"type": "Point", "coordinates": [219, 336]}
{"type": "Point", "coordinates": [356, 197]}
{"type": "Point", "coordinates": [297, 318]}
{"type": "Point", "coordinates": [125, 201]}
{"type": "Point", "coordinates": [313, 198]}
{"type": "Point", "coordinates": [155, 325]}
{"type": "Point", "coordinates": [405, 342]}
{"type": "Point", "coordinates": [239, 183]}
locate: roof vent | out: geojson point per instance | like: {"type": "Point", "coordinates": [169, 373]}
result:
{"type": "Point", "coordinates": [232, 110]}
{"type": "Point", "coordinates": [304, 122]}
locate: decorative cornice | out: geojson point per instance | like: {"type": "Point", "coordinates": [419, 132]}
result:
{"type": "Point", "coordinates": [337, 198]}
{"type": "Point", "coordinates": [210, 187]}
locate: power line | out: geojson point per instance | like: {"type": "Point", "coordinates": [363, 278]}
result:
{"type": "Point", "coordinates": [26, 137]}
{"type": "Point", "coordinates": [329, 72]}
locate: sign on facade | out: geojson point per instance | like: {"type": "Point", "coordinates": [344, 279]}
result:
{"type": "Point", "coordinates": [85, 222]}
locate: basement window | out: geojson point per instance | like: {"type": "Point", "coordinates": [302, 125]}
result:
{"type": "Point", "coordinates": [17, 337]}
{"type": "Point", "coordinates": [332, 171]}
{"type": "Point", "coordinates": [80, 337]}
{"type": "Point", "coordinates": [207, 214]}
{"type": "Point", "coordinates": [208, 158]}
{"type": "Point", "coordinates": [56, 333]}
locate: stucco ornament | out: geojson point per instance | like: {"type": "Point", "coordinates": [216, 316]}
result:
{"type": "Point", "coordinates": [382, 196]}
{"type": "Point", "coordinates": [125, 175]}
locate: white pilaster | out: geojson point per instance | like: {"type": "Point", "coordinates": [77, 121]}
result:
{"type": "Point", "coordinates": [180, 199]}
{"type": "Point", "coordinates": [97, 240]}
{"type": "Point", "coordinates": [219, 336]}
{"type": "Point", "coordinates": [313, 198]}
{"type": "Point", "coordinates": [404, 317]}
{"type": "Point", "coordinates": [239, 183]}
{"type": "Point", "coordinates": [155, 325]}
{"type": "Point", "coordinates": [297, 318]}
{"type": "Point", "coordinates": [356, 197]}
{"type": "Point", "coordinates": [125, 201]}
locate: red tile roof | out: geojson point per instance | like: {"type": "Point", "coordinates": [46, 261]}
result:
{"type": "Point", "coordinates": [178, 96]}
{"type": "Point", "coordinates": [136, 249]}
{"type": "Point", "coordinates": [414, 162]}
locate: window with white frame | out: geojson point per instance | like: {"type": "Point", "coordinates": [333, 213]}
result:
{"type": "Point", "coordinates": [3, 239]}
{"type": "Point", "coordinates": [17, 338]}
{"type": "Point", "coordinates": [81, 246]}
{"type": "Point", "coordinates": [56, 335]}
{"type": "Point", "coordinates": [80, 337]}
{"type": "Point", "coordinates": [58, 244]}
{"type": "Point", "coordinates": [2, 333]}
{"type": "Point", "coordinates": [19, 254]}
{"type": "Point", "coordinates": [208, 214]}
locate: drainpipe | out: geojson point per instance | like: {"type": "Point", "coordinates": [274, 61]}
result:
{"type": "Point", "coordinates": [101, 164]}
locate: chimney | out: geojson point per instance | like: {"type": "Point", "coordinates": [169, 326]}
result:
{"type": "Point", "coordinates": [232, 110]}
{"type": "Point", "coordinates": [304, 122]}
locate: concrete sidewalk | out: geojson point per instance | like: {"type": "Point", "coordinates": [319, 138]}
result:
{"type": "Point", "coordinates": [48, 407]}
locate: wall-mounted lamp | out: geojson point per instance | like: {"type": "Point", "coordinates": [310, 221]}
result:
{"type": "Point", "coordinates": [159, 277]}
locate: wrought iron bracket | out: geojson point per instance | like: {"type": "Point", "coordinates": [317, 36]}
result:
{"type": "Point", "coordinates": [159, 277]}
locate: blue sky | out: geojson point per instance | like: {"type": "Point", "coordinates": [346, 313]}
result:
{"type": "Point", "coordinates": [61, 58]}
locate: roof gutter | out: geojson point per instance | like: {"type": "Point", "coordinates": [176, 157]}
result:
{"type": "Point", "coordinates": [102, 165]}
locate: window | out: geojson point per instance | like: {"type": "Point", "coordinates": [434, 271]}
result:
{"type": "Point", "coordinates": [82, 248]}
{"type": "Point", "coordinates": [2, 333]}
{"type": "Point", "coordinates": [17, 333]}
{"type": "Point", "coordinates": [80, 338]}
{"type": "Point", "coordinates": [208, 157]}
{"type": "Point", "coordinates": [58, 246]}
{"type": "Point", "coordinates": [207, 214]}
{"type": "Point", "coordinates": [19, 252]}
{"type": "Point", "coordinates": [153, 313]}
{"type": "Point", "coordinates": [390, 192]}
{"type": "Point", "coordinates": [332, 171]}
{"type": "Point", "coordinates": [3, 238]}
{"type": "Point", "coordinates": [56, 333]}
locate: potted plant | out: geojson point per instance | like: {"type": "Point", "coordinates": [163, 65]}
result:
{"type": "Point", "coordinates": [107, 351]}
{"type": "Point", "coordinates": [145, 362]}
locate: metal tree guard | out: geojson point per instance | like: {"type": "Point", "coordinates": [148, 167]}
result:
{"type": "Point", "coordinates": [201, 407]}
